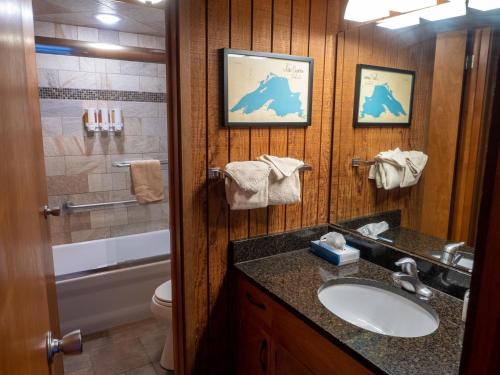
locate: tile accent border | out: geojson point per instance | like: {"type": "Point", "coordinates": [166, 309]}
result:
{"type": "Point", "coordinates": [90, 94]}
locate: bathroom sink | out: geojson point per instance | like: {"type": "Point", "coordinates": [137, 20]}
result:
{"type": "Point", "coordinates": [378, 308]}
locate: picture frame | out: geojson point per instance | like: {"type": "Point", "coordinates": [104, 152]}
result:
{"type": "Point", "coordinates": [383, 97]}
{"type": "Point", "coordinates": [263, 90]}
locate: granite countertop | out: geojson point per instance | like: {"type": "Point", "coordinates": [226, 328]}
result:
{"type": "Point", "coordinates": [293, 278]}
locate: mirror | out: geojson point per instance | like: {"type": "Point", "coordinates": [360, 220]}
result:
{"type": "Point", "coordinates": [454, 69]}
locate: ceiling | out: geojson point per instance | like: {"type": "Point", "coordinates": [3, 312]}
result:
{"type": "Point", "coordinates": [135, 17]}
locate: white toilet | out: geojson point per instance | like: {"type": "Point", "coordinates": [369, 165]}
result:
{"type": "Point", "coordinates": [161, 306]}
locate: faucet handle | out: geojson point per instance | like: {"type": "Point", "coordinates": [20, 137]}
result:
{"type": "Point", "coordinates": [408, 265]}
{"type": "Point", "coordinates": [452, 247]}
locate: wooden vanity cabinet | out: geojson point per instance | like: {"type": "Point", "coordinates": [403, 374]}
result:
{"type": "Point", "coordinates": [273, 341]}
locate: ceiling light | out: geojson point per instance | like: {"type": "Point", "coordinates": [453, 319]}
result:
{"type": "Point", "coordinates": [108, 19]}
{"type": "Point", "coordinates": [484, 5]}
{"type": "Point", "coordinates": [366, 10]}
{"type": "Point", "coordinates": [404, 6]}
{"type": "Point", "coordinates": [150, 2]}
{"type": "Point", "coordinates": [451, 9]}
{"type": "Point", "coordinates": [398, 22]}
{"type": "Point", "coordinates": [106, 46]}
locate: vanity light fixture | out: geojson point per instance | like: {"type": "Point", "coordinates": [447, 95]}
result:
{"type": "Point", "coordinates": [484, 5]}
{"type": "Point", "coordinates": [105, 46]}
{"type": "Point", "coordinates": [404, 6]}
{"type": "Point", "coordinates": [150, 2]}
{"type": "Point", "coordinates": [399, 22]}
{"type": "Point", "coordinates": [366, 10]}
{"type": "Point", "coordinates": [451, 9]}
{"type": "Point", "coordinates": [108, 19]}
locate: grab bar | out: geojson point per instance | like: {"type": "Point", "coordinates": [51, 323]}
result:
{"type": "Point", "coordinates": [216, 173]}
{"type": "Point", "coordinates": [126, 163]}
{"type": "Point", "coordinates": [70, 207]}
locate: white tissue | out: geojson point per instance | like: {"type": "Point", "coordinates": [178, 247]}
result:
{"type": "Point", "coordinates": [334, 239]}
{"type": "Point", "coordinates": [372, 230]}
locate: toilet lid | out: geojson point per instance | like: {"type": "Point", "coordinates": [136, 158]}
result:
{"type": "Point", "coordinates": [164, 292]}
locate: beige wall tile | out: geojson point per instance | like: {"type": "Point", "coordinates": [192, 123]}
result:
{"type": "Point", "coordinates": [58, 62]}
{"type": "Point", "coordinates": [121, 195]}
{"type": "Point", "coordinates": [132, 126]}
{"type": "Point", "coordinates": [153, 84]}
{"type": "Point", "coordinates": [100, 182]}
{"type": "Point", "coordinates": [44, 29]}
{"type": "Point", "coordinates": [128, 39]}
{"type": "Point", "coordinates": [72, 126]}
{"type": "Point", "coordinates": [66, 31]}
{"type": "Point", "coordinates": [112, 66]}
{"type": "Point", "coordinates": [122, 82]}
{"type": "Point", "coordinates": [61, 108]}
{"type": "Point", "coordinates": [58, 185]}
{"type": "Point", "coordinates": [90, 234]}
{"type": "Point", "coordinates": [85, 164]}
{"type": "Point", "coordinates": [108, 217]}
{"type": "Point", "coordinates": [51, 126]}
{"type": "Point", "coordinates": [79, 221]}
{"type": "Point", "coordinates": [138, 109]}
{"type": "Point", "coordinates": [60, 238]}
{"type": "Point", "coordinates": [48, 78]}
{"type": "Point", "coordinates": [55, 166]}
{"type": "Point", "coordinates": [162, 70]}
{"type": "Point", "coordinates": [125, 230]}
{"type": "Point", "coordinates": [137, 214]}
{"type": "Point", "coordinates": [134, 144]}
{"type": "Point", "coordinates": [77, 80]}
{"type": "Point", "coordinates": [154, 126]}
{"type": "Point", "coordinates": [88, 34]}
{"type": "Point", "coordinates": [119, 181]}
{"type": "Point", "coordinates": [94, 197]}
{"type": "Point", "coordinates": [109, 36]}
{"type": "Point", "coordinates": [59, 224]}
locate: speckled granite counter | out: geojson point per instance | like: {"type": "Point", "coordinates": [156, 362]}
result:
{"type": "Point", "coordinates": [293, 278]}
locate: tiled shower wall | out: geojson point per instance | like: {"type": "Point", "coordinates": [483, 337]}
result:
{"type": "Point", "coordinates": [78, 165]}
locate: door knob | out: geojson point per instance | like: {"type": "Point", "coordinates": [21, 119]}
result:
{"type": "Point", "coordinates": [56, 211]}
{"type": "Point", "coordinates": [71, 343]}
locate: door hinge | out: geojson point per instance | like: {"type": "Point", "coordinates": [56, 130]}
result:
{"type": "Point", "coordinates": [469, 62]}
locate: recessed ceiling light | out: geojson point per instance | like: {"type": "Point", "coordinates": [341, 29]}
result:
{"type": "Point", "coordinates": [453, 8]}
{"type": "Point", "coordinates": [150, 2]}
{"type": "Point", "coordinates": [404, 6]}
{"type": "Point", "coordinates": [108, 19]}
{"type": "Point", "coordinates": [484, 5]}
{"type": "Point", "coordinates": [106, 46]}
{"type": "Point", "coordinates": [365, 10]}
{"type": "Point", "coordinates": [398, 22]}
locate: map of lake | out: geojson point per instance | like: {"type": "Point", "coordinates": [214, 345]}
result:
{"type": "Point", "coordinates": [380, 100]}
{"type": "Point", "coordinates": [273, 89]}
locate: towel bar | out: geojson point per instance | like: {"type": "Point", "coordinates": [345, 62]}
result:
{"type": "Point", "coordinates": [126, 163]}
{"type": "Point", "coordinates": [70, 207]}
{"type": "Point", "coordinates": [357, 162]}
{"type": "Point", "coordinates": [216, 173]}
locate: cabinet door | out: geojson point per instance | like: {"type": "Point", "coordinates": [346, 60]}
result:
{"type": "Point", "coordinates": [254, 348]}
{"type": "Point", "coordinates": [286, 364]}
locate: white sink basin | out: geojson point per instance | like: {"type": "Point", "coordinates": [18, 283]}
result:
{"type": "Point", "coordinates": [378, 308]}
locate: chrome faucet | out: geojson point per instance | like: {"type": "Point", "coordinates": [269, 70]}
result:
{"type": "Point", "coordinates": [408, 279]}
{"type": "Point", "coordinates": [449, 254]}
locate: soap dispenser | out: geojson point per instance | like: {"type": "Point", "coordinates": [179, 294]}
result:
{"type": "Point", "coordinates": [104, 119]}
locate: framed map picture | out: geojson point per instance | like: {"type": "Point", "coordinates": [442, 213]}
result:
{"type": "Point", "coordinates": [384, 97]}
{"type": "Point", "coordinates": [266, 89]}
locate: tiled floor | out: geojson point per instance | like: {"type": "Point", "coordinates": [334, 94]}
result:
{"type": "Point", "coordinates": [133, 349]}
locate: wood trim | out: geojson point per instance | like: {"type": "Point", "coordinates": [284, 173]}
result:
{"type": "Point", "coordinates": [81, 48]}
{"type": "Point", "coordinates": [482, 333]}
{"type": "Point", "coordinates": [175, 183]}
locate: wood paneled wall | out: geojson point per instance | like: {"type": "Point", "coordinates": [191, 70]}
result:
{"type": "Point", "coordinates": [299, 27]}
{"type": "Point", "coordinates": [352, 193]}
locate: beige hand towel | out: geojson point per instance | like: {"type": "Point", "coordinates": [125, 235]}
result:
{"type": "Point", "coordinates": [247, 184]}
{"type": "Point", "coordinates": [284, 180]}
{"type": "Point", "coordinates": [146, 181]}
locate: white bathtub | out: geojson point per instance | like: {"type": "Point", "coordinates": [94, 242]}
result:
{"type": "Point", "coordinates": [98, 284]}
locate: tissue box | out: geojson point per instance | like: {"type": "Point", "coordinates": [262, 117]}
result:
{"type": "Point", "coordinates": [339, 258]}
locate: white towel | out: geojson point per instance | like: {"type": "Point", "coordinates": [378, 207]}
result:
{"type": "Point", "coordinates": [284, 180]}
{"type": "Point", "coordinates": [372, 230]}
{"type": "Point", "coordinates": [396, 168]}
{"type": "Point", "coordinates": [248, 184]}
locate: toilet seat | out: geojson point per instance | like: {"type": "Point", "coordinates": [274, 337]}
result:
{"type": "Point", "coordinates": [163, 294]}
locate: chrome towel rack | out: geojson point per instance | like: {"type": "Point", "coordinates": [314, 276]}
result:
{"type": "Point", "coordinates": [217, 173]}
{"type": "Point", "coordinates": [357, 162]}
{"type": "Point", "coordinates": [70, 207]}
{"type": "Point", "coordinates": [126, 163]}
